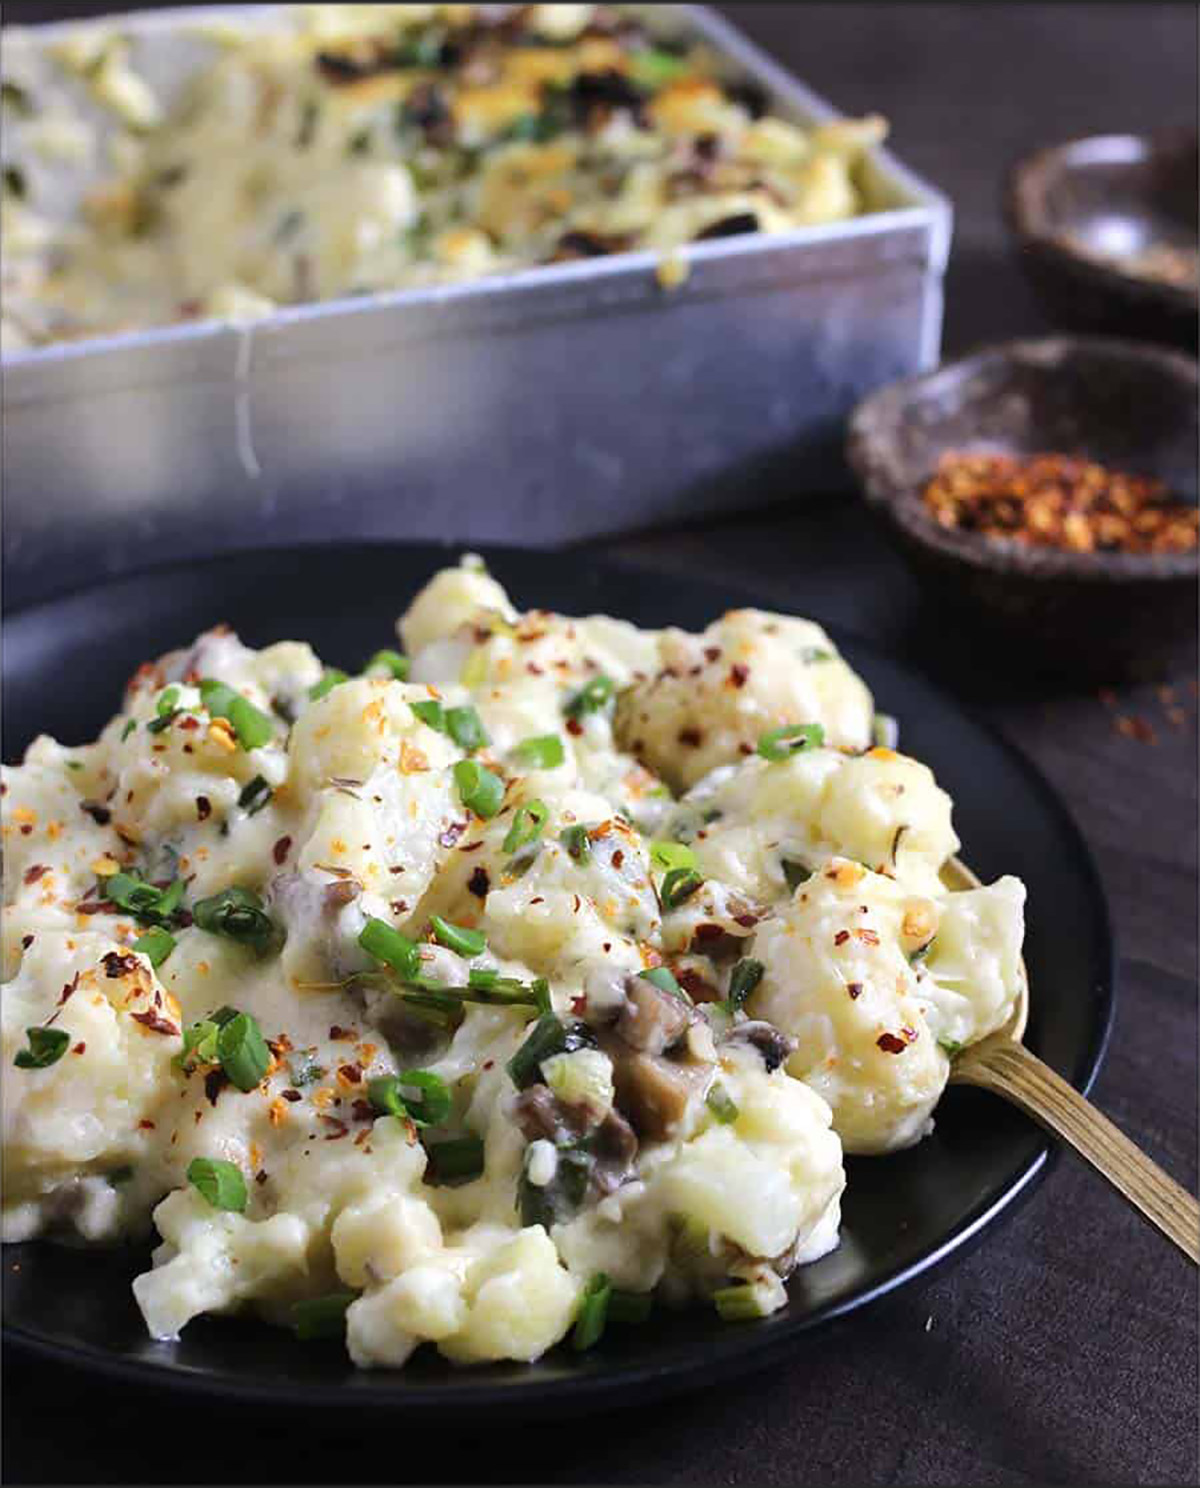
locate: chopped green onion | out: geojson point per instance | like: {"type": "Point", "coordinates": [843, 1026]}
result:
{"type": "Point", "coordinates": [389, 661]}
{"type": "Point", "coordinates": [668, 855]}
{"type": "Point", "coordinates": [305, 1070]}
{"type": "Point", "coordinates": [743, 979]}
{"type": "Point", "coordinates": [165, 710]}
{"type": "Point", "coordinates": [199, 1045]}
{"type": "Point", "coordinates": [156, 945]}
{"type": "Point", "coordinates": [147, 904]}
{"type": "Point", "coordinates": [458, 938]}
{"type": "Point", "coordinates": [951, 1046]}
{"type": "Point", "coordinates": [922, 951]}
{"type": "Point", "coordinates": [738, 1304]}
{"type": "Point", "coordinates": [542, 752]}
{"type": "Point", "coordinates": [386, 944]}
{"type": "Point", "coordinates": [662, 978]}
{"type": "Point", "coordinates": [679, 885]}
{"type": "Point", "coordinates": [654, 68]}
{"type": "Point", "coordinates": [593, 1312]}
{"type": "Point", "coordinates": [812, 654]}
{"type": "Point", "coordinates": [321, 1317]}
{"type": "Point", "coordinates": [563, 1196]}
{"type": "Point", "coordinates": [418, 1094]}
{"type": "Point", "coordinates": [331, 677]}
{"type": "Point", "coordinates": [630, 1307]}
{"type": "Point", "coordinates": [430, 712]}
{"type": "Point", "coordinates": [795, 874]}
{"type": "Point", "coordinates": [590, 698]}
{"type": "Point", "coordinates": [252, 727]}
{"type": "Point", "coordinates": [254, 796]}
{"type": "Point", "coordinates": [549, 1035]}
{"type": "Point", "coordinates": [220, 1182]}
{"type": "Point", "coordinates": [479, 790]}
{"type": "Point", "coordinates": [793, 738]}
{"type": "Point", "coordinates": [73, 764]}
{"type": "Point", "coordinates": [130, 725]}
{"type": "Point", "coordinates": [238, 914]}
{"type": "Point", "coordinates": [459, 1160]}
{"type": "Point", "coordinates": [46, 1047]}
{"type": "Point", "coordinates": [577, 843]}
{"type": "Point", "coordinates": [527, 825]}
{"type": "Point", "coordinates": [243, 1051]}
{"type": "Point", "coordinates": [223, 1015]}
{"type": "Point", "coordinates": [885, 731]}
{"type": "Point", "coordinates": [465, 727]}
{"type": "Point", "coordinates": [721, 1104]}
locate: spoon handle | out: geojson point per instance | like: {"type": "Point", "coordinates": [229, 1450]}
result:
{"type": "Point", "coordinates": [1008, 1069]}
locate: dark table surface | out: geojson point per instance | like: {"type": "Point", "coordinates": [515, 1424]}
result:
{"type": "Point", "coordinates": [1064, 1349]}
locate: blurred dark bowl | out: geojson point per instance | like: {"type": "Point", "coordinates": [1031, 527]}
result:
{"type": "Point", "coordinates": [1083, 212]}
{"type": "Point", "coordinates": [1095, 616]}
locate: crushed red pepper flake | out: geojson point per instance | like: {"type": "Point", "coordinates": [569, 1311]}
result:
{"type": "Point", "coordinates": [38, 870]}
{"type": "Point", "coordinates": [154, 1023]}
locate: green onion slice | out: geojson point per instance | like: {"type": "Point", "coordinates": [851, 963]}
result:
{"type": "Point", "coordinates": [238, 914]}
{"type": "Point", "coordinates": [388, 945]}
{"type": "Point", "coordinates": [793, 738]}
{"type": "Point", "coordinates": [679, 885]}
{"type": "Point", "coordinates": [243, 1051]}
{"type": "Point", "coordinates": [721, 1104]}
{"type": "Point", "coordinates": [593, 1312]}
{"type": "Point", "coordinates": [391, 662]}
{"type": "Point", "coordinates": [743, 979]}
{"type": "Point", "coordinates": [331, 677]}
{"type": "Point", "coordinates": [431, 713]}
{"type": "Point", "coordinates": [630, 1307]}
{"type": "Point", "coordinates": [419, 1095]}
{"type": "Point", "coordinates": [577, 843]}
{"type": "Point", "coordinates": [458, 1160]}
{"type": "Point", "coordinates": [738, 1304]}
{"type": "Point", "coordinates": [527, 825]}
{"type": "Point", "coordinates": [465, 727]}
{"type": "Point", "coordinates": [458, 937]}
{"type": "Point", "coordinates": [590, 698]}
{"type": "Point", "coordinates": [549, 1035]}
{"type": "Point", "coordinates": [146, 903]}
{"type": "Point", "coordinates": [542, 752]}
{"type": "Point", "coordinates": [46, 1047]}
{"type": "Point", "coordinates": [254, 795]}
{"type": "Point", "coordinates": [199, 1045]}
{"type": "Point", "coordinates": [252, 727]}
{"type": "Point", "coordinates": [662, 978]}
{"type": "Point", "coordinates": [156, 945]}
{"type": "Point", "coordinates": [795, 874]}
{"type": "Point", "coordinates": [479, 790]}
{"type": "Point", "coordinates": [321, 1317]}
{"type": "Point", "coordinates": [220, 1182]}
{"type": "Point", "coordinates": [668, 855]}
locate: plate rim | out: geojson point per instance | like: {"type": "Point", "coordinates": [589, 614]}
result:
{"type": "Point", "coordinates": [743, 1351]}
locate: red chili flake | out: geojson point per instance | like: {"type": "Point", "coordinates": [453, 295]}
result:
{"type": "Point", "coordinates": [607, 946]}
{"type": "Point", "coordinates": [738, 674]}
{"type": "Point", "coordinates": [696, 987]}
{"type": "Point", "coordinates": [712, 653]}
{"type": "Point", "coordinates": [189, 721]}
{"type": "Point", "coordinates": [746, 921]}
{"type": "Point", "coordinates": [145, 1125]}
{"type": "Point", "coordinates": [472, 846]}
{"type": "Point", "coordinates": [868, 937]}
{"type": "Point", "coordinates": [691, 737]}
{"type": "Point", "coordinates": [399, 906]}
{"type": "Point", "coordinates": [708, 932]}
{"type": "Point", "coordinates": [341, 1034]}
{"type": "Point", "coordinates": [841, 937]}
{"type": "Point", "coordinates": [579, 1005]}
{"type": "Point", "coordinates": [337, 1130]}
{"type": "Point", "coordinates": [744, 748]}
{"type": "Point", "coordinates": [37, 871]}
{"type": "Point", "coordinates": [890, 1044]}
{"type": "Point", "coordinates": [450, 835]}
{"type": "Point", "coordinates": [261, 1176]}
{"type": "Point", "coordinates": [534, 670]}
{"type": "Point", "coordinates": [25, 829]}
{"type": "Point", "coordinates": [574, 727]}
{"type": "Point", "coordinates": [70, 987]}
{"type": "Point", "coordinates": [351, 1073]}
{"type": "Point", "coordinates": [291, 1095]}
{"type": "Point", "coordinates": [203, 807]}
{"type": "Point", "coordinates": [854, 989]}
{"type": "Point", "coordinates": [214, 1082]}
{"type": "Point", "coordinates": [490, 1063]}
{"type": "Point", "coordinates": [116, 965]}
{"type": "Point", "coordinates": [26, 942]}
{"type": "Point", "coordinates": [618, 858]}
{"type": "Point", "coordinates": [538, 900]}
{"type": "Point", "coordinates": [152, 1021]}
{"type": "Point", "coordinates": [79, 1047]}
{"type": "Point", "coordinates": [479, 883]}
{"type": "Point", "coordinates": [281, 849]}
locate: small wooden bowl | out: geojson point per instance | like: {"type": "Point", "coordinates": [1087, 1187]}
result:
{"type": "Point", "coordinates": [1085, 214]}
{"type": "Point", "coordinates": [1097, 616]}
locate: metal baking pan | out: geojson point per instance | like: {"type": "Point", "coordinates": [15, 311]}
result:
{"type": "Point", "coordinates": [545, 406]}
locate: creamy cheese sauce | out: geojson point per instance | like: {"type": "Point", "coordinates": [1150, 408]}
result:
{"type": "Point", "coordinates": [354, 149]}
{"type": "Point", "coordinates": [655, 972]}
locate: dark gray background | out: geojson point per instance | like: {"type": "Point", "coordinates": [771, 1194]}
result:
{"type": "Point", "coordinates": [1064, 1350]}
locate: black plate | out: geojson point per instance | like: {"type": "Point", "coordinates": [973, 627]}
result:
{"type": "Point", "coordinates": [65, 663]}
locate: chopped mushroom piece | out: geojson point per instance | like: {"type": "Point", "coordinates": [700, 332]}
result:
{"type": "Point", "coordinates": [651, 1020]}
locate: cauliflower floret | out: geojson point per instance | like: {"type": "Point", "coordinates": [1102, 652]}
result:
{"type": "Point", "coordinates": [974, 962]}
{"type": "Point", "coordinates": [520, 1301]}
{"type": "Point", "coordinates": [453, 597]}
{"type": "Point", "coordinates": [716, 693]}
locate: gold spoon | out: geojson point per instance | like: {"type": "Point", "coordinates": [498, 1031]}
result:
{"type": "Point", "coordinates": [1001, 1063]}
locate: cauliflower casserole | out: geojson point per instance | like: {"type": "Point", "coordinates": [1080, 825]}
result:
{"type": "Point", "coordinates": [316, 152]}
{"type": "Point", "coordinates": [544, 968]}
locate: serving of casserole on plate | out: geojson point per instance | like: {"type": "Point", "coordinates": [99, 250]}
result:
{"type": "Point", "coordinates": [536, 975]}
